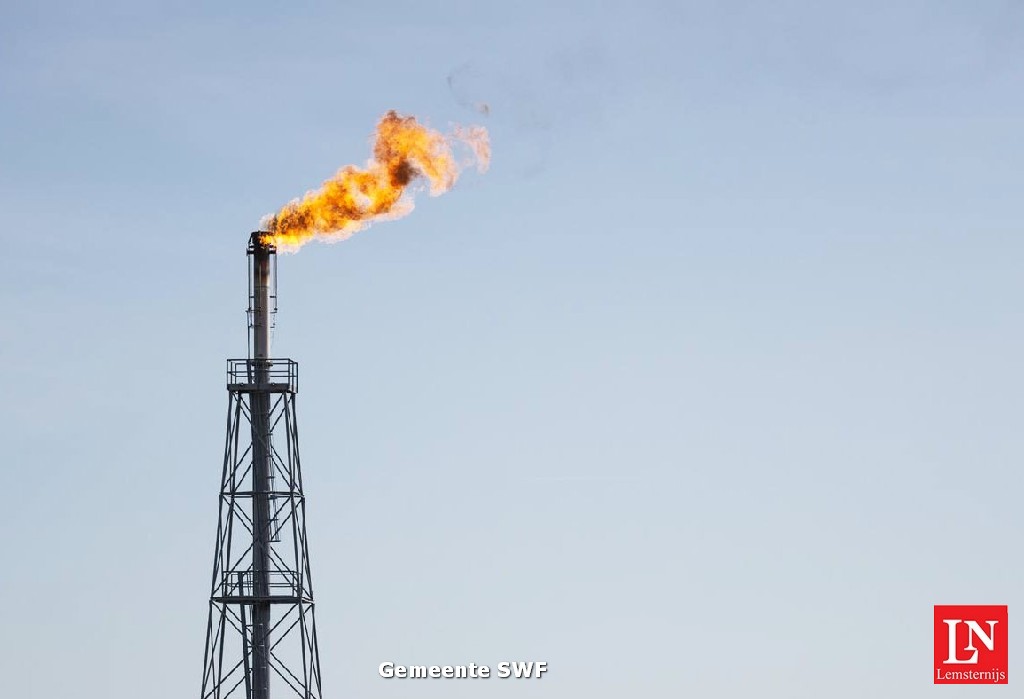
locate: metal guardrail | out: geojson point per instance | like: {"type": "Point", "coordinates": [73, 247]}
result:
{"type": "Point", "coordinates": [279, 372]}
{"type": "Point", "coordinates": [239, 583]}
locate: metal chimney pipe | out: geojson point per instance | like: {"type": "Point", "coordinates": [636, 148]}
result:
{"type": "Point", "coordinates": [261, 285]}
{"type": "Point", "coordinates": [261, 252]}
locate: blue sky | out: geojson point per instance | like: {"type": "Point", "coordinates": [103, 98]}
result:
{"type": "Point", "coordinates": [712, 385]}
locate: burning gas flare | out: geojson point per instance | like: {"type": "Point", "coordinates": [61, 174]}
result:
{"type": "Point", "coordinates": [404, 151]}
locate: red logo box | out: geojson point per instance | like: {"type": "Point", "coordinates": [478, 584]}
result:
{"type": "Point", "coordinates": [970, 644]}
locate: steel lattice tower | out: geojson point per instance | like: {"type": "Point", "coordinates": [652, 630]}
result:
{"type": "Point", "coordinates": [261, 631]}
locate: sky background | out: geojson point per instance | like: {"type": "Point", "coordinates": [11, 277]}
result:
{"type": "Point", "coordinates": [712, 386]}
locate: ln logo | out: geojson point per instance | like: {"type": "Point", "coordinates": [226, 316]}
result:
{"type": "Point", "coordinates": [970, 644]}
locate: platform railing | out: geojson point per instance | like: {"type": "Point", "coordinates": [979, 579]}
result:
{"type": "Point", "coordinates": [282, 374]}
{"type": "Point", "coordinates": [280, 583]}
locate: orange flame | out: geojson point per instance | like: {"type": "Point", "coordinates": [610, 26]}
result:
{"type": "Point", "coordinates": [404, 150]}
